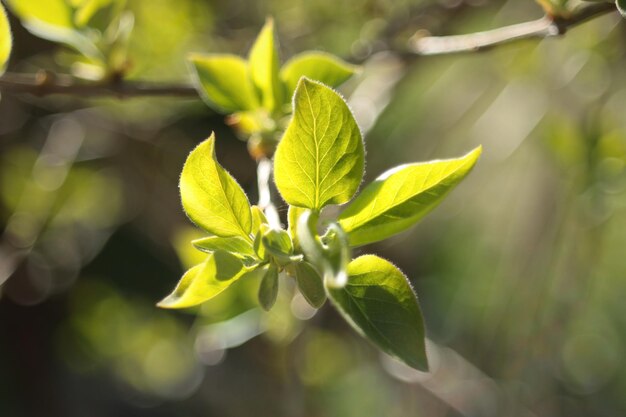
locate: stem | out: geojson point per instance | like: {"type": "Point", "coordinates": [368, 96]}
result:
{"type": "Point", "coordinates": [46, 83]}
{"type": "Point", "coordinates": [264, 175]}
{"type": "Point", "coordinates": [537, 29]}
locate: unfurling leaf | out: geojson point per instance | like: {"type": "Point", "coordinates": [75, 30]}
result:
{"type": "Point", "coordinates": [264, 66]}
{"type": "Point", "coordinates": [258, 218]}
{"type": "Point", "coordinates": [319, 160]}
{"type": "Point", "coordinates": [223, 82]}
{"type": "Point", "coordinates": [379, 303]}
{"type": "Point", "coordinates": [402, 196]}
{"type": "Point", "coordinates": [211, 197]}
{"type": "Point", "coordinates": [268, 290]}
{"type": "Point", "coordinates": [6, 39]}
{"type": "Point", "coordinates": [319, 66]}
{"type": "Point", "coordinates": [235, 245]}
{"type": "Point", "coordinates": [292, 227]}
{"type": "Point", "coordinates": [205, 281]}
{"type": "Point", "coordinates": [310, 284]}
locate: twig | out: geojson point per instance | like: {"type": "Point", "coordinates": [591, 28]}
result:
{"type": "Point", "coordinates": [541, 28]}
{"type": "Point", "coordinates": [46, 83]}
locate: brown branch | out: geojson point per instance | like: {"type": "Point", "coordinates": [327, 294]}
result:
{"type": "Point", "coordinates": [536, 29]}
{"type": "Point", "coordinates": [46, 83]}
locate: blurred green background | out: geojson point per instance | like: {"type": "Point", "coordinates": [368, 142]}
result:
{"type": "Point", "coordinates": [521, 272]}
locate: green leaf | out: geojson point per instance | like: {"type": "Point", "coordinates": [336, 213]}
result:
{"type": "Point", "coordinates": [205, 281]}
{"type": "Point", "coordinates": [380, 304]}
{"type": "Point", "coordinates": [6, 39]}
{"type": "Point", "coordinates": [293, 214]}
{"type": "Point", "coordinates": [54, 20]}
{"type": "Point", "coordinates": [319, 161]}
{"type": "Point", "coordinates": [310, 284]}
{"type": "Point", "coordinates": [264, 65]}
{"type": "Point", "coordinates": [223, 82]}
{"type": "Point", "coordinates": [258, 218]}
{"type": "Point", "coordinates": [268, 290]}
{"type": "Point", "coordinates": [319, 66]}
{"type": "Point", "coordinates": [278, 244]}
{"type": "Point", "coordinates": [237, 246]}
{"type": "Point", "coordinates": [211, 197]}
{"type": "Point", "coordinates": [402, 196]}
{"type": "Point", "coordinates": [621, 6]}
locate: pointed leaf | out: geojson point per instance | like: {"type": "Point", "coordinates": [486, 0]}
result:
{"type": "Point", "coordinates": [258, 218]}
{"type": "Point", "coordinates": [268, 290]}
{"type": "Point", "coordinates": [223, 82]}
{"type": "Point", "coordinates": [310, 284]}
{"type": "Point", "coordinates": [264, 65]}
{"type": "Point", "coordinates": [205, 281]}
{"type": "Point", "coordinates": [319, 66]}
{"type": "Point", "coordinates": [6, 39]}
{"type": "Point", "coordinates": [402, 196]}
{"type": "Point", "coordinates": [319, 161]}
{"type": "Point", "coordinates": [211, 197]}
{"type": "Point", "coordinates": [380, 304]}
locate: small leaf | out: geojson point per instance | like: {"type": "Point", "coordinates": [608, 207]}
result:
{"type": "Point", "coordinates": [268, 290]}
{"type": "Point", "coordinates": [205, 281]}
{"type": "Point", "coordinates": [211, 197]}
{"type": "Point", "coordinates": [6, 39]}
{"type": "Point", "coordinates": [278, 244]}
{"type": "Point", "coordinates": [380, 304]}
{"type": "Point", "coordinates": [223, 82]}
{"type": "Point", "coordinates": [319, 161]}
{"type": "Point", "coordinates": [264, 64]}
{"type": "Point", "coordinates": [621, 6]}
{"type": "Point", "coordinates": [258, 218]}
{"type": "Point", "coordinates": [237, 246]}
{"type": "Point", "coordinates": [319, 66]}
{"type": "Point", "coordinates": [293, 214]}
{"type": "Point", "coordinates": [310, 284]}
{"type": "Point", "coordinates": [400, 197]}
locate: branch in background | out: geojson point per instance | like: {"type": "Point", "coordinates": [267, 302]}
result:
{"type": "Point", "coordinates": [45, 83]}
{"type": "Point", "coordinates": [536, 29]}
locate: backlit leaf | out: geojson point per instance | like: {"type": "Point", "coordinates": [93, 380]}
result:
{"type": "Point", "coordinates": [264, 66]}
{"type": "Point", "coordinates": [380, 304]}
{"type": "Point", "coordinates": [211, 197]}
{"type": "Point", "coordinates": [205, 281]}
{"type": "Point", "coordinates": [223, 82]}
{"type": "Point", "coordinates": [319, 66]}
{"type": "Point", "coordinates": [6, 39]}
{"type": "Point", "coordinates": [402, 196]}
{"type": "Point", "coordinates": [319, 161]}
{"type": "Point", "coordinates": [235, 245]}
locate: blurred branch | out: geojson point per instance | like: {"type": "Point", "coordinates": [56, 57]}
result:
{"type": "Point", "coordinates": [545, 27]}
{"type": "Point", "coordinates": [46, 83]}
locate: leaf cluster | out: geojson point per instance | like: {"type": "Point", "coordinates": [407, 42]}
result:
{"type": "Point", "coordinates": [319, 162]}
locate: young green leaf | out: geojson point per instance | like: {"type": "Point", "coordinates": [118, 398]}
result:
{"type": "Point", "coordinates": [268, 290]}
{"type": "Point", "coordinates": [402, 196]}
{"type": "Point", "coordinates": [264, 65]}
{"type": "Point", "coordinates": [310, 284]}
{"type": "Point", "coordinates": [380, 304]}
{"type": "Point", "coordinates": [6, 39]}
{"type": "Point", "coordinates": [223, 82]}
{"type": "Point", "coordinates": [211, 197]}
{"type": "Point", "coordinates": [293, 214]}
{"type": "Point", "coordinates": [319, 160]}
{"type": "Point", "coordinates": [237, 246]}
{"type": "Point", "coordinates": [205, 281]}
{"type": "Point", "coordinates": [319, 66]}
{"type": "Point", "coordinates": [621, 6]}
{"type": "Point", "coordinates": [278, 244]}
{"type": "Point", "coordinates": [258, 218]}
